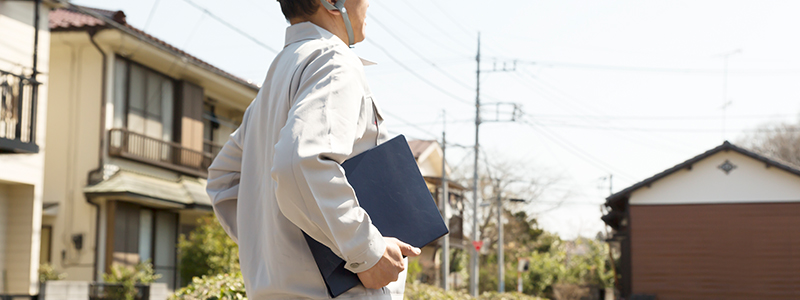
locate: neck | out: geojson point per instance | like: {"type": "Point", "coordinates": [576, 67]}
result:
{"type": "Point", "coordinates": [327, 21]}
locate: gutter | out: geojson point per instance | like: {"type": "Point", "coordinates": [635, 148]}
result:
{"type": "Point", "coordinates": [96, 175]}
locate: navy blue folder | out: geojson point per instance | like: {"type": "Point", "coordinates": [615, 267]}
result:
{"type": "Point", "coordinates": [391, 189]}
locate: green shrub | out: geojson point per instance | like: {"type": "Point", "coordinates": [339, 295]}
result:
{"type": "Point", "coordinates": [421, 291]}
{"type": "Point", "coordinates": [217, 287]}
{"type": "Point", "coordinates": [208, 250]}
{"type": "Point", "coordinates": [414, 269]}
{"type": "Point", "coordinates": [129, 277]}
{"type": "Point", "coordinates": [47, 273]}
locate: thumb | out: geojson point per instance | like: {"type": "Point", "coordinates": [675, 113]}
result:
{"type": "Point", "coordinates": [407, 249]}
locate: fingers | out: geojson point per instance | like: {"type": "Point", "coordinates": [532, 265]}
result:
{"type": "Point", "coordinates": [407, 249]}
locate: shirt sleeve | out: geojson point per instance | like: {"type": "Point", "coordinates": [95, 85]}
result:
{"type": "Point", "coordinates": [223, 181]}
{"type": "Point", "coordinates": [311, 188]}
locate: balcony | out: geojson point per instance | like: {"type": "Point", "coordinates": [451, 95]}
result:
{"type": "Point", "coordinates": [17, 113]}
{"type": "Point", "coordinates": [168, 155]}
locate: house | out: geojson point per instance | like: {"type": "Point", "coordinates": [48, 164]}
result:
{"type": "Point", "coordinates": [429, 156]}
{"type": "Point", "coordinates": [24, 81]}
{"type": "Point", "coordinates": [133, 125]}
{"type": "Point", "coordinates": [722, 225]}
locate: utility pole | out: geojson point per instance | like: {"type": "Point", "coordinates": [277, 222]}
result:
{"type": "Point", "coordinates": [474, 257]}
{"type": "Point", "coordinates": [445, 211]}
{"type": "Point", "coordinates": [473, 274]}
{"type": "Point", "coordinates": [501, 264]}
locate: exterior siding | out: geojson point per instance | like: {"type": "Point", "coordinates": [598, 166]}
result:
{"type": "Point", "coordinates": [3, 242]}
{"type": "Point", "coordinates": [19, 265]}
{"type": "Point", "coordinates": [719, 251]}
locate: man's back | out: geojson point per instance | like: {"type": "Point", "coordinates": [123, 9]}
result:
{"type": "Point", "coordinates": [306, 132]}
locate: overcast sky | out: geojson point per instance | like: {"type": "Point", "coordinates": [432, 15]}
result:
{"type": "Point", "coordinates": [628, 88]}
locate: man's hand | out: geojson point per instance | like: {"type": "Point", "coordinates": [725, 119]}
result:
{"type": "Point", "coordinates": [389, 267]}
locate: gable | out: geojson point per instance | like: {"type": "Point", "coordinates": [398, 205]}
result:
{"type": "Point", "coordinates": [703, 182]}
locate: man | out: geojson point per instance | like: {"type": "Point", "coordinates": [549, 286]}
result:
{"type": "Point", "coordinates": [279, 174]}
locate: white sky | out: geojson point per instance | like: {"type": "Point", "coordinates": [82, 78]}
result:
{"type": "Point", "coordinates": [628, 88]}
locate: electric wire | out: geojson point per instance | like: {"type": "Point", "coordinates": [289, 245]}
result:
{"type": "Point", "coordinates": [427, 19]}
{"type": "Point", "coordinates": [231, 26]}
{"type": "Point", "coordinates": [652, 69]}
{"type": "Point", "coordinates": [448, 75]}
{"type": "Point", "coordinates": [150, 16]}
{"type": "Point", "coordinates": [415, 74]}
{"type": "Point", "coordinates": [466, 31]}
{"type": "Point", "coordinates": [674, 130]}
{"type": "Point", "coordinates": [423, 34]}
{"type": "Point", "coordinates": [566, 145]}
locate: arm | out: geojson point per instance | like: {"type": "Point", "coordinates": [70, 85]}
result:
{"type": "Point", "coordinates": [312, 190]}
{"type": "Point", "coordinates": [223, 181]}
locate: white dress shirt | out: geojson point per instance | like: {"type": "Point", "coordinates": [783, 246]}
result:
{"type": "Point", "coordinates": [279, 172]}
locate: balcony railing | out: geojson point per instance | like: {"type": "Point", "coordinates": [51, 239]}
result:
{"type": "Point", "coordinates": [211, 147]}
{"type": "Point", "coordinates": [17, 113]}
{"type": "Point", "coordinates": [170, 155]}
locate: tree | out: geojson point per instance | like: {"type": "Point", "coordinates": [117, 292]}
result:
{"type": "Point", "coordinates": [776, 140]}
{"type": "Point", "coordinates": [208, 250]}
{"type": "Point", "coordinates": [508, 180]}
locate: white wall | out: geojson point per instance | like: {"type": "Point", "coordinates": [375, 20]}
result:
{"type": "Point", "coordinates": [705, 183]}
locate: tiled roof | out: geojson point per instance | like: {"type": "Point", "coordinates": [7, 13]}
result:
{"type": "Point", "coordinates": [68, 19]}
{"type": "Point", "coordinates": [71, 19]}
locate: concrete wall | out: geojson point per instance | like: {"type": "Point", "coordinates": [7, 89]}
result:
{"type": "Point", "coordinates": [66, 290]}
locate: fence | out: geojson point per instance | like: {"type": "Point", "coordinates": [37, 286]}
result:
{"type": "Point", "coordinates": [18, 112]}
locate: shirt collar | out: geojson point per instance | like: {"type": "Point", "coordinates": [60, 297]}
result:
{"type": "Point", "coordinates": [309, 31]}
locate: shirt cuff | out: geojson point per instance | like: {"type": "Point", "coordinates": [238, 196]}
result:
{"type": "Point", "coordinates": [370, 256]}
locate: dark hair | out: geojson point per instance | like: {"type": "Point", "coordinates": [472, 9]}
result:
{"type": "Point", "coordinates": [298, 8]}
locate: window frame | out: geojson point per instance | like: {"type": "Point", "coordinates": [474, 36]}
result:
{"type": "Point", "coordinates": [127, 98]}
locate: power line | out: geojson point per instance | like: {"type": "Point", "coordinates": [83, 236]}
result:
{"type": "Point", "coordinates": [681, 130]}
{"type": "Point", "coordinates": [412, 125]}
{"type": "Point", "coordinates": [426, 81]}
{"type": "Point", "coordinates": [449, 17]}
{"type": "Point", "coordinates": [453, 78]}
{"type": "Point", "coordinates": [566, 145]}
{"type": "Point", "coordinates": [654, 118]}
{"type": "Point", "coordinates": [552, 89]}
{"type": "Point", "coordinates": [439, 28]}
{"type": "Point", "coordinates": [229, 25]}
{"type": "Point", "coordinates": [422, 33]}
{"type": "Point", "coordinates": [150, 16]}
{"type": "Point", "coordinates": [650, 69]}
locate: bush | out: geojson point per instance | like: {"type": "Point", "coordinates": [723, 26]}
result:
{"type": "Point", "coordinates": [47, 273]}
{"type": "Point", "coordinates": [129, 277]}
{"type": "Point", "coordinates": [421, 291]}
{"type": "Point", "coordinates": [208, 250]}
{"type": "Point", "coordinates": [221, 287]}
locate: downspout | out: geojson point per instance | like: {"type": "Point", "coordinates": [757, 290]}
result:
{"type": "Point", "coordinates": [96, 175]}
{"type": "Point", "coordinates": [34, 71]}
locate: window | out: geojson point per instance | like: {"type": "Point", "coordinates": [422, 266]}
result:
{"type": "Point", "coordinates": [140, 234]}
{"type": "Point", "coordinates": [143, 100]}
{"type": "Point", "coordinates": [46, 241]}
{"type": "Point", "coordinates": [210, 125]}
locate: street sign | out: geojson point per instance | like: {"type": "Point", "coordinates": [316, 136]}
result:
{"type": "Point", "coordinates": [478, 245]}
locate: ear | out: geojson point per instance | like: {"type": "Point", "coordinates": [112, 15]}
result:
{"type": "Point", "coordinates": [332, 12]}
